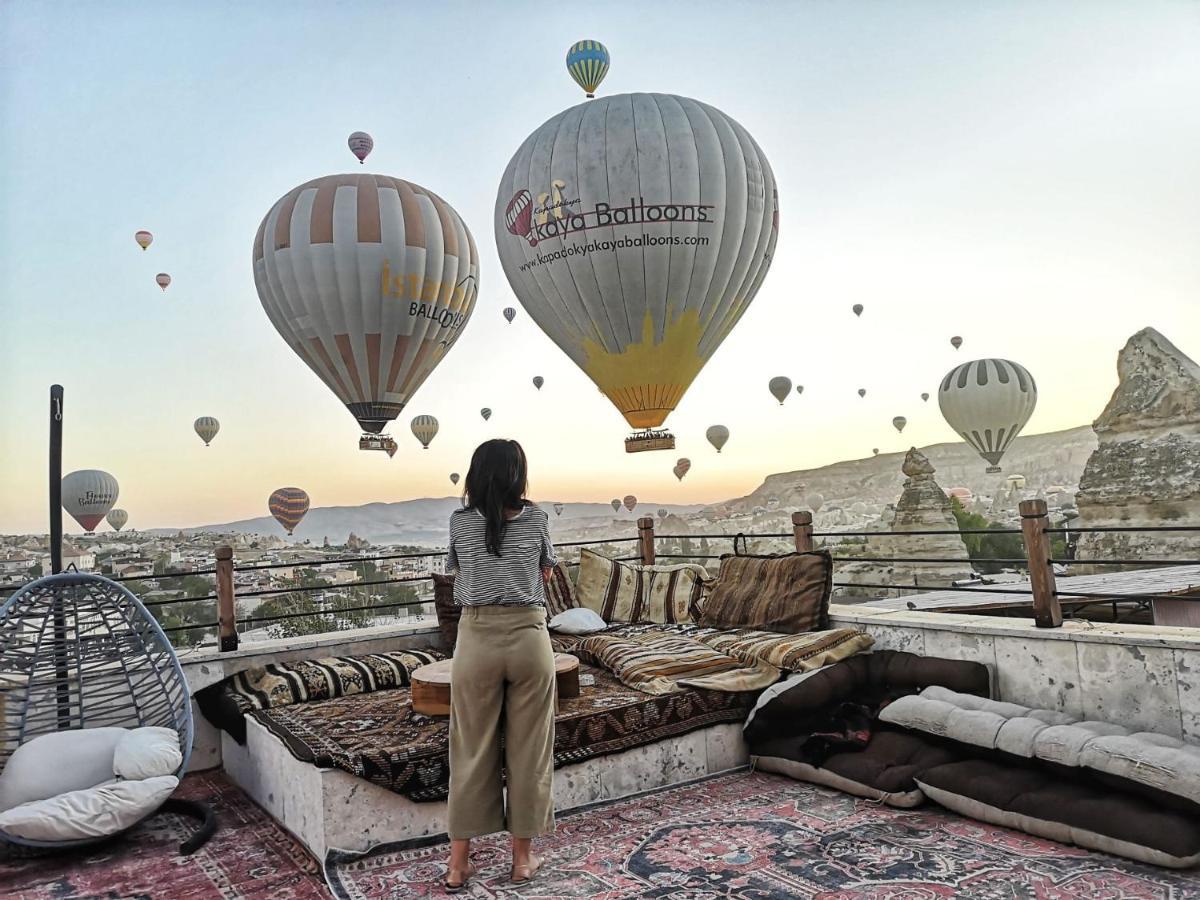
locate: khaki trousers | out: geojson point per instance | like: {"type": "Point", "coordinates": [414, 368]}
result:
{"type": "Point", "coordinates": [502, 672]}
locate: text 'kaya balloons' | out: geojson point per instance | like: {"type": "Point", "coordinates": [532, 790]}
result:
{"type": "Point", "coordinates": [288, 505]}
{"type": "Point", "coordinates": [988, 402]}
{"type": "Point", "coordinates": [636, 230]}
{"type": "Point", "coordinates": [88, 495]}
{"type": "Point", "coordinates": [370, 280]}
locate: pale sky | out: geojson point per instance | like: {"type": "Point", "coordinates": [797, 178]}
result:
{"type": "Point", "coordinates": [1026, 175]}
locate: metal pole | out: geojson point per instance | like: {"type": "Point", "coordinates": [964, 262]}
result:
{"type": "Point", "coordinates": [56, 427]}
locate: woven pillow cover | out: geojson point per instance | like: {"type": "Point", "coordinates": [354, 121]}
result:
{"type": "Point", "coordinates": [787, 594]}
{"type": "Point", "coordinates": [625, 592]}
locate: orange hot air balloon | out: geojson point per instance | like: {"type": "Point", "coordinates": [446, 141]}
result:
{"type": "Point", "coordinates": [144, 238]}
{"type": "Point", "coordinates": [162, 279]}
{"type": "Point", "coordinates": [288, 505]}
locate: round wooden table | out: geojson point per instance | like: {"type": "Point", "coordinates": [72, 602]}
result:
{"type": "Point", "coordinates": [431, 684]}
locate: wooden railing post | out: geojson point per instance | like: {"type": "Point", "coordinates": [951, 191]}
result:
{"type": "Point", "coordinates": [1047, 612]}
{"type": "Point", "coordinates": [226, 608]}
{"type": "Point", "coordinates": [802, 531]}
{"type": "Point", "coordinates": [646, 539]}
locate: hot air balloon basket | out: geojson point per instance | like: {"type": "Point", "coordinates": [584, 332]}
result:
{"type": "Point", "coordinates": [641, 441]}
{"type": "Point", "coordinates": [377, 442]}
{"type": "Point", "coordinates": [992, 470]}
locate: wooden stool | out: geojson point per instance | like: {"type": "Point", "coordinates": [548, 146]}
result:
{"type": "Point", "coordinates": [431, 684]}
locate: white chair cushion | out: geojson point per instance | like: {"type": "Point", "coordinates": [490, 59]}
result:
{"type": "Point", "coordinates": [147, 753]}
{"type": "Point", "coordinates": [54, 764]}
{"type": "Point", "coordinates": [580, 620]}
{"type": "Point", "coordinates": [94, 812]}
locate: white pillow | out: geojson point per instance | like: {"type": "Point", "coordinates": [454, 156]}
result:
{"type": "Point", "coordinates": [53, 764]}
{"type": "Point", "coordinates": [147, 753]}
{"type": "Point", "coordinates": [580, 620]}
{"type": "Point", "coordinates": [94, 812]}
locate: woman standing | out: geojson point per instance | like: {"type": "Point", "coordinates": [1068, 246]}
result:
{"type": "Point", "coordinates": [503, 665]}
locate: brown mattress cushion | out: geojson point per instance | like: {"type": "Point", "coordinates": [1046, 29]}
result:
{"type": "Point", "coordinates": [1042, 802]}
{"type": "Point", "coordinates": [789, 594]}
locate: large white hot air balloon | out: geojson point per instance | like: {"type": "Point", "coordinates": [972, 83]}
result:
{"type": "Point", "coordinates": [117, 518]}
{"type": "Point", "coordinates": [207, 427]}
{"type": "Point", "coordinates": [717, 436]}
{"type": "Point", "coordinates": [636, 230]}
{"type": "Point", "coordinates": [88, 495]}
{"type": "Point", "coordinates": [370, 280]}
{"type": "Point", "coordinates": [780, 387]}
{"type": "Point", "coordinates": [988, 402]}
{"type": "Point", "coordinates": [424, 429]}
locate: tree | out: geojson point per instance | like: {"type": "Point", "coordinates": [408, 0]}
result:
{"type": "Point", "coordinates": [983, 548]}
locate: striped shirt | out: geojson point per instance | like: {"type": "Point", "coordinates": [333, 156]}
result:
{"type": "Point", "coordinates": [512, 579]}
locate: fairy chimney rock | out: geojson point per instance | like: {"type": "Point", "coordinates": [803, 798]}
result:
{"type": "Point", "coordinates": [1146, 468]}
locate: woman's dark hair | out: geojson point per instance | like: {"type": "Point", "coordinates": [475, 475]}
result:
{"type": "Point", "coordinates": [496, 483]}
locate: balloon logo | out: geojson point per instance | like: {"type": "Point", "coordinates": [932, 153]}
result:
{"type": "Point", "coordinates": [144, 239]}
{"type": "Point", "coordinates": [207, 427]}
{"type": "Point", "coordinates": [518, 216]}
{"type": "Point", "coordinates": [288, 505]}
{"type": "Point", "coordinates": [162, 279]}
{"type": "Point", "coordinates": [361, 144]}
{"type": "Point", "coordinates": [588, 62]}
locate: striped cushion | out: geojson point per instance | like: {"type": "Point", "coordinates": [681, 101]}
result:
{"type": "Point", "coordinates": [664, 663]}
{"type": "Point", "coordinates": [560, 593]}
{"type": "Point", "coordinates": [624, 592]}
{"type": "Point", "coordinates": [787, 594]}
{"type": "Point", "coordinates": [790, 652]}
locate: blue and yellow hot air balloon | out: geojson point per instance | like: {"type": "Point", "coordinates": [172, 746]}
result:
{"type": "Point", "coordinates": [587, 61]}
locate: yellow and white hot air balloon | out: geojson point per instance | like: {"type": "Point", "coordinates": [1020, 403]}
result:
{"type": "Point", "coordinates": [207, 427]}
{"type": "Point", "coordinates": [988, 402]}
{"type": "Point", "coordinates": [88, 495]}
{"type": "Point", "coordinates": [424, 429]}
{"type": "Point", "coordinates": [636, 230]}
{"type": "Point", "coordinates": [370, 280]}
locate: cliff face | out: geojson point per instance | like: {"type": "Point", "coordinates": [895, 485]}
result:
{"type": "Point", "coordinates": [1146, 468]}
{"type": "Point", "coordinates": [923, 506]}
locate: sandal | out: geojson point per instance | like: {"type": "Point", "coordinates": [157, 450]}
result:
{"type": "Point", "coordinates": [526, 871]}
{"type": "Point", "coordinates": [455, 887]}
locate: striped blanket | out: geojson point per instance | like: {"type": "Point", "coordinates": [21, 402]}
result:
{"type": "Point", "coordinates": [661, 659]}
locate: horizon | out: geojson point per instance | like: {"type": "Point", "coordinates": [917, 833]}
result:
{"type": "Point", "coordinates": [1041, 204]}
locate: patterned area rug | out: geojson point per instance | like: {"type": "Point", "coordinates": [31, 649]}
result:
{"type": "Point", "coordinates": [755, 835]}
{"type": "Point", "coordinates": [249, 857]}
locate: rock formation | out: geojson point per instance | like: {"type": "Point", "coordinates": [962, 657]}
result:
{"type": "Point", "coordinates": [923, 506]}
{"type": "Point", "coordinates": [1146, 469]}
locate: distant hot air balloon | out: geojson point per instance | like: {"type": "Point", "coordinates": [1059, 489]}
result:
{"type": "Point", "coordinates": [587, 61]}
{"type": "Point", "coordinates": [925, 397]}
{"type": "Point", "coordinates": [288, 505]}
{"type": "Point", "coordinates": [815, 501]}
{"type": "Point", "coordinates": [875, 451]}
{"type": "Point", "coordinates": [510, 314]}
{"type": "Point", "coordinates": [858, 308]}
{"type": "Point", "coordinates": [862, 392]}
{"type": "Point", "coordinates": [424, 429]}
{"type": "Point", "coordinates": [663, 512]}
{"type": "Point", "coordinates": [88, 495]}
{"type": "Point", "coordinates": [361, 144]}
{"type": "Point", "coordinates": [558, 508]}
{"type": "Point", "coordinates": [956, 342]}
{"type": "Point", "coordinates": [682, 467]}
{"type": "Point", "coordinates": [632, 320]}
{"type": "Point", "coordinates": [616, 504]}
{"type": "Point", "coordinates": [370, 280]}
{"type": "Point", "coordinates": [717, 436]}
{"type": "Point", "coordinates": [207, 427]}
{"type": "Point", "coordinates": [899, 422]}
{"type": "Point", "coordinates": [538, 381]}
{"type": "Point", "coordinates": [799, 389]}
{"type": "Point", "coordinates": [780, 386]}
{"type": "Point", "coordinates": [144, 238]}
{"type": "Point", "coordinates": [117, 518]}
{"type": "Point", "coordinates": [988, 402]}
{"type": "Point", "coordinates": [486, 413]}
{"type": "Point", "coordinates": [630, 502]}
{"type": "Point", "coordinates": [162, 279]}
{"type": "Point", "coordinates": [454, 476]}
{"type": "Point", "coordinates": [390, 449]}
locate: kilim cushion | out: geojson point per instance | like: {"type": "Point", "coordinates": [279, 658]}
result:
{"type": "Point", "coordinates": [560, 593]}
{"type": "Point", "coordinates": [609, 588]}
{"type": "Point", "coordinates": [787, 594]}
{"type": "Point", "coordinates": [625, 592]}
{"type": "Point", "coordinates": [664, 663]}
{"type": "Point", "coordinates": [672, 593]}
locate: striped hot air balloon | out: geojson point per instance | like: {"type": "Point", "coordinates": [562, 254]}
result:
{"type": "Point", "coordinates": [207, 427]}
{"type": "Point", "coordinates": [486, 413]}
{"type": "Point", "coordinates": [588, 61]}
{"type": "Point", "coordinates": [686, 203]}
{"type": "Point", "coordinates": [424, 429]}
{"type": "Point", "coordinates": [509, 314]}
{"type": "Point", "coordinates": [88, 495]}
{"type": "Point", "coordinates": [988, 402]}
{"type": "Point", "coordinates": [163, 280]}
{"type": "Point", "coordinates": [117, 518]}
{"type": "Point", "coordinates": [288, 505]}
{"type": "Point", "coordinates": [144, 238]}
{"type": "Point", "coordinates": [370, 280]}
